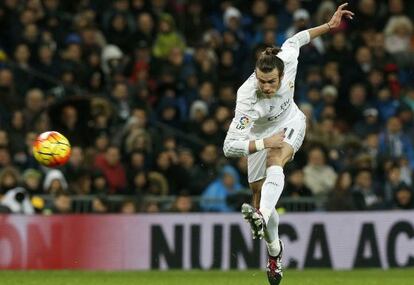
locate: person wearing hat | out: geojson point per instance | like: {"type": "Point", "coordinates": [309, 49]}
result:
{"type": "Point", "coordinates": [301, 21]}
{"type": "Point", "coordinates": [269, 128]}
{"type": "Point", "coordinates": [168, 38]}
{"type": "Point", "coordinates": [370, 124]}
{"type": "Point", "coordinates": [32, 181]}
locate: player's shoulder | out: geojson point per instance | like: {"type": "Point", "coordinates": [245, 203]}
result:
{"type": "Point", "coordinates": [246, 94]}
{"type": "Point", "coordinates": [247, 91]}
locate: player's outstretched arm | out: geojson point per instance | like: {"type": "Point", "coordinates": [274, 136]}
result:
{"type": "Point", "coordinates": [333, 23]}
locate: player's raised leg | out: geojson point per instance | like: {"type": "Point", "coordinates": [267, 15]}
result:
{"type": "Point", "coordinates": [256, 172]}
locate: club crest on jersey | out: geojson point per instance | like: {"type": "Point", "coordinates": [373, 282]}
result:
{"type": "Point", "coordinates": [243, 123]}
{"type": "Point", "coordinates": [291, 84]}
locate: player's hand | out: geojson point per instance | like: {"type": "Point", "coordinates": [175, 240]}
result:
{"type": "Point", "coordinates": [275, 141]}
{"type": "Point", "coordinates": [335, 21]}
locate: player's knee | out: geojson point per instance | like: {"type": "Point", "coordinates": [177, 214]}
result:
{"type": "Point", "coordinates": [274, 157]}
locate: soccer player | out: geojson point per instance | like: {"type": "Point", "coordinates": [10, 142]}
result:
{"type": "Point", "coordinates": [269, 128]}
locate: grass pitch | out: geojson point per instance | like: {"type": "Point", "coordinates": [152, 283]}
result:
{"type": "Point", "coordinates": [292, 277]}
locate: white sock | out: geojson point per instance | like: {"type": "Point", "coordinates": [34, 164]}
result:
{"type": "Point", "coordinates": [273, 248]}
{"type": "Point", "coordinates": [272, 234]}
{"type": "Point", "coordinates": [271, 190]}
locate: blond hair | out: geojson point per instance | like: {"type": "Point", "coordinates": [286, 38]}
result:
{"type": "Point", "coordinates": [396, 21]}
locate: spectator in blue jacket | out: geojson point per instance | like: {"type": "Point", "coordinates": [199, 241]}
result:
{"type": "Point", "coordinates": [214, 198]}
{"type": "Point", "coordinates": [393, 143]}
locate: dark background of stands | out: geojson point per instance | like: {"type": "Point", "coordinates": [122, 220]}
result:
{"type": "Point", "coordinates": [145, 92]}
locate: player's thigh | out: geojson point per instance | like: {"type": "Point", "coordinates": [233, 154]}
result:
{"type": "Point", "coordinates": [279, 156]}
{"type": "Point", "coordinates": [295, 131]}
{"type": "Point", "coordinates": [256, 166]}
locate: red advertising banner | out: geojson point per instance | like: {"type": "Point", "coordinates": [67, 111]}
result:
{"type": "Point", "coordinates": [68, 242]}
{"type": "Point", "coordinates": [203, 241]}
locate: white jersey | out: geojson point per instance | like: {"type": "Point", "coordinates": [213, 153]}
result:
{"type": "Point", "coordinates": [256, 118]}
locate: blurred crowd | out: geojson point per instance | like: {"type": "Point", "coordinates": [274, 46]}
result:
{"type": "Point", "coordinates": [145, 92]}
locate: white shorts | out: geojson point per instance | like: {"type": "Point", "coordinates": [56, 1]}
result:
{"type": "Point", "coordinates": [295, 130]}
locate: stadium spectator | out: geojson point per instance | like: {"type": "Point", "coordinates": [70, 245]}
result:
{"type": "Point", "coordinates": [136, 163]}
{"type": "Point", "coordinates": [398, 34]}
{"type": "Point", "coordinates": [370, 148]}
{"type": "Point", "coordinates": [183, 203]}
{"type": "Point", "coordinates": [99, 183]}
{"type": "Point", "coordinates": [81, 183]}
{"type": "Point", "coordinates": [199, 109]}
{"type": "Point", "coordinates": [210, 133]}
{"type": "Point", "coordinates": [403, 198]}
{"type": "Point", "coordinates": [31, 181]}
{"type": "Point", "coordinates": [167, 165]}
{"type": "Point", "coordinates": [357, 103]}
{"type": "Point", "coordinates": [295, 186]}
{"type": "Point", "coordinates": [167, 38]}
{"type": "Point", "coordinates": [145, 29]}
{"type": "Point", "coordinates": [34, 104]}
{"type": "Point", "coordinates": [341, 198]}
{"type": "Point", "coordinates": [55, 182]}
{"type": "Point", "coordinates": [8, 94]}
{"type": "Point", "coordinates": [9, 179]}
{"type": "Point", "coordinates": [315, 168]}
{"type": "Point", "coordinates": [157, 185]}
{"type": "Point", "coordinates": [151, 207]}
{"type": "Point", "coordinates": [23, 79]}
{"type": "Point", "coordinates": [128, 207]}
{"type": "Point", "coordinates": [61, 204]}
{"type": "Point", "coordinates": [385, 104]}
{"type": "Point", "coordinates": [364, 193]}
{"type": "Point", "coordinates": [195, 22]}
{"type": "Point", "coordinates": [16, 133]}
{"type": "Point", "coordinates": [214, 197]}
{"type": "Point", "coordinates": [393, 181]}
{"type": "Point", "coordinates": [393, 143]}
{"type": "Point", "coordinates": [301, 21]}
{"type": "Point", "coordinates": [208, 166]}
{"type": "Point", "coordinates": [370, 124]}
{"type": "Point", "coordinates": [100, 205]}
{"type": "Point", "coordinates": [409, 98]}
{"type": "Point", "coordinates": [406, 117]}
{"type": "Point", "coordinates": [4, 139]}
{"type": "Point", "coordinates": [75, 164]}
{"type": "Point", "coordinates": [380, 54]}
{"type": "Point", "coordinates": [191, 171]}
{"type": "Point", "coordinates": [139, 183]}
{"type": "Point", "coordinates": [109, 163]}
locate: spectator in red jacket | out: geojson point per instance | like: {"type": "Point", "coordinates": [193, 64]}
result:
{"type": "Point", "coordinates": [110, 164]}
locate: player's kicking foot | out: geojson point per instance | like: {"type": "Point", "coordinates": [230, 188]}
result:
{"type": "Point", "coordinates": [255, 219]}
{"type": "Point", "coordinates": [274, 267]}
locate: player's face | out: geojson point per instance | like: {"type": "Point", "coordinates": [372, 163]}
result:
{"type": "Point", "coordinates": [269, 82]}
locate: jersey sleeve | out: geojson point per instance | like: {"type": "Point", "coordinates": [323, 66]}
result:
{"type": "Point", "coordinates": [291, 47]}
{"type": "Point", "coordinates": [236, 143]}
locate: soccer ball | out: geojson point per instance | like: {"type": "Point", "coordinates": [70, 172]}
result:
{"type": "Point", "coordinates": [51, 149]}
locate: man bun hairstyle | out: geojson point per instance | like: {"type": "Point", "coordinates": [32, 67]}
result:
{"type": "Point", "coordinates": [268, 60]}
